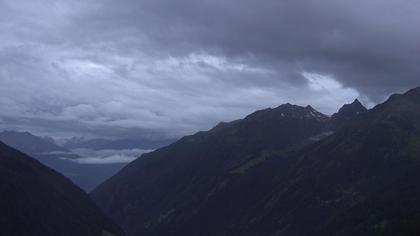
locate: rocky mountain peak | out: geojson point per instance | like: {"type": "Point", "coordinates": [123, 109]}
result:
{"type": "Point", "coordinates": [347, 113]}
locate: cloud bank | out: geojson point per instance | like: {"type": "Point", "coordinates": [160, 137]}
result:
{"type": "Point", "coordinates": [88, 156]}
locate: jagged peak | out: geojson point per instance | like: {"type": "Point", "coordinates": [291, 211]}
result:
{"type": "Point", "coordinates": [355, 106]}
{"type": "Point", "coordinates": [347, 112]}
{"type": "Point", "coordinates": [300, 111]}
{"type": "Point", "coordinates": [293, 106]}
{"type": "Point", "coordinates": [287, 105]}
{"type": "Point", "coordinates": [288, 110]}
{"type": "Point", "coordinates": [357, 101]}
{"type": "Point", "coordinates": [309, 107]}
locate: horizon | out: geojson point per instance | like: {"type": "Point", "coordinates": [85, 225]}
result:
{"type": "Point", "coordinates": [57, 140]}
{"type": "Point", "coordinates": [60, 140]}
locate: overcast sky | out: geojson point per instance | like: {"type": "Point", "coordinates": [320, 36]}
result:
{"type": "Point", "coordinates": [171, 67]}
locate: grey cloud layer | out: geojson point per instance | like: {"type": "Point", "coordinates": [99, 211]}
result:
{"type": "Point", "coordinates": [173, 67]}
{"type": "Point", "coordinates": [368, 45]}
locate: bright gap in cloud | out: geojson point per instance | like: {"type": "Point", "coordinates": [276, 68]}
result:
{"type": "Point", "coordinates": [329, 91]}
{"type": "Point", "coordinates": [320, 82]}
{"type": "Point", "coordinates": [105, 160]}
{"type": "Point", "coordinates": [89, 156]}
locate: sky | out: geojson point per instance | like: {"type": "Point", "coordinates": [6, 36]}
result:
{"type": "Point", "coordinates": [165, 68]}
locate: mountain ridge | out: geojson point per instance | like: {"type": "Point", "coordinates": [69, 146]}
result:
{"type": "Point", "coordinates": [247, 183]}
{"type": "Point", "coordinates": [205, 156]}
{"type": "Point", "coordinates": [29, 143]}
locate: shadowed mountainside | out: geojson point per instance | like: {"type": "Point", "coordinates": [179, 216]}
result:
{"type": "Point", "coordinates": [180, 175]}
{"type": "Point", "coordinates": [36, 200]}
{"type": "Point", "coordinates": [268, 175]}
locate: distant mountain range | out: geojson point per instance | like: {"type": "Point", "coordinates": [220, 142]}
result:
{"type": "Point", "coordinates": [29, 143]}
{"type": "Point", "coordinates": [63, 159]}
{"type": "Point", "coordinates": [284, 171]}
{"type": "Point", "coordinates": [36, 200]}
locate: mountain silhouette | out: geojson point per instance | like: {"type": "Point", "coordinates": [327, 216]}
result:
{"type": "Point", "coordinates": [36, 200]}
{"type": "Point", "coordinates": [268, 175]}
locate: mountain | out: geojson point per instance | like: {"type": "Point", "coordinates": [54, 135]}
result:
{"type": "Point", "coordinates": [86, 176]}
{"type": "Point", "coordinates": [346, 114]}
{"type": "Point", "coordinates": [41, 148]}
{"type": "Point", "coordinates": [363, 180]}
{"type": "Point", "coordinates": [260, 176]}
{"type": "Point", "coordinates": [29, 143]}
{"type": "Point", "coordinates": [117, 144]}
{"type": "Point", "coordinates": [173, 181]}
{"type": "Point", "coordinates": [36, 200]}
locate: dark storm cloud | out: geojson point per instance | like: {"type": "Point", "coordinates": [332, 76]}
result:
{"type": "Point", "coordinates": [112, 67]}
{"type": "Point", "coordinates": [368, 45]}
